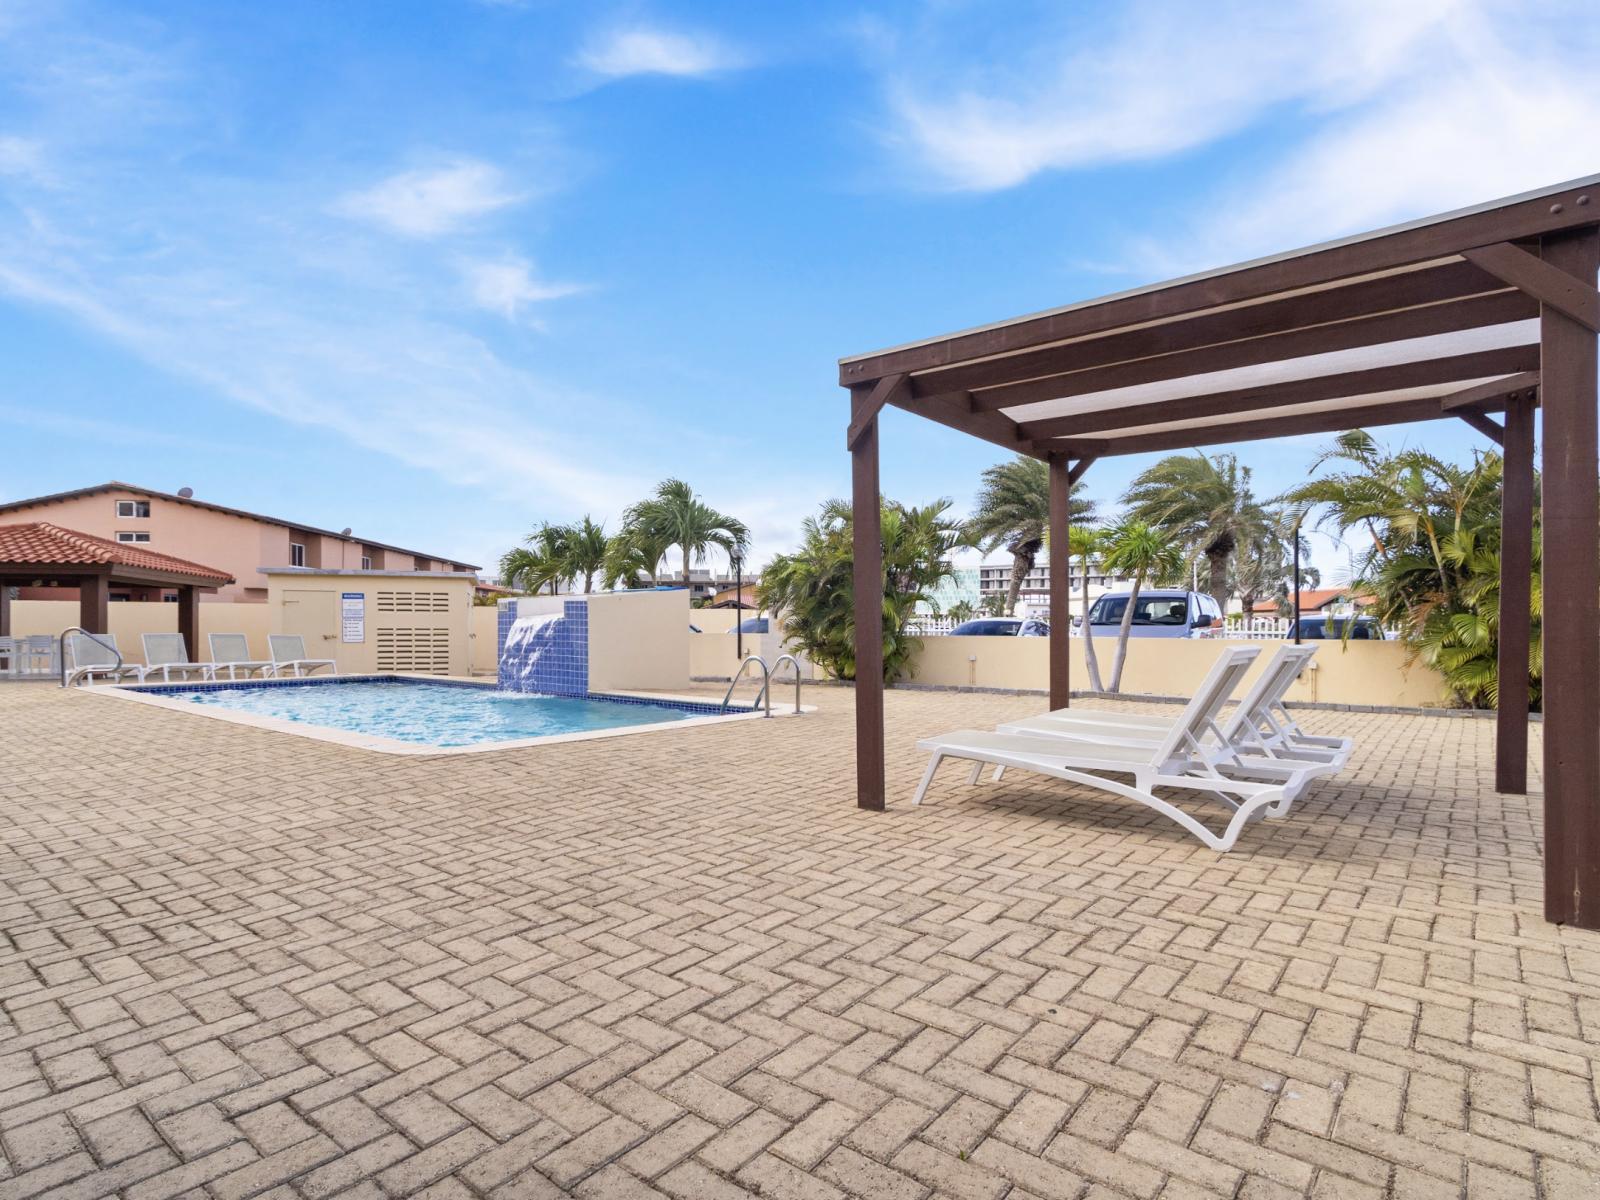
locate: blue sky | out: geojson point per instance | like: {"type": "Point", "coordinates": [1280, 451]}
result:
{"type": "Point", "coordinates": [440, 271]}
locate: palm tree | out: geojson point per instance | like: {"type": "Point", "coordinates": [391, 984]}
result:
{"type": "Point", "coordinates": [541, 561]}
{"type": "Point", "coordinates": [1434, 553]}
{"type": "Point", "coordinates": [961, 610]}
{"type": "Point", "coordinates": [1087, 543]}
{"type": "Point", "coordinates": [675, 516]}
{"type": "Point", "coordinates": [584, 551]}
{"type": "Point", "coordinates": [1203, 501]}
{"type": "Point", "coordinates": [1264, 564]}
{"type": "Point", "coordinates": [630, 562]}
{"type": "Point", "coordinates": [1013, 510]}
{"type": "Point", "coordinates": [1139, 551]}
{"type": "Point", "coordinates": [813, 588]}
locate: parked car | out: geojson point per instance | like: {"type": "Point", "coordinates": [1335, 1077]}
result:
{"type": "Point", "coordinates": [1332, 629]}
{"type": "Point", "coordinates": [1002, 627]}
{"type": "Point", "coordinates": [754, 625]}
{"type": "Point", "coordinates": [1159, 612]}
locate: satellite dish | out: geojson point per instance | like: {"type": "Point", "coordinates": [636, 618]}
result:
{"type": "Point", "coordinates": [186, 493]}
{"type": "Point", "coordinates": [345, 532]}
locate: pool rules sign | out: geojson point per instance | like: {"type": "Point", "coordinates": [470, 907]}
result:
{"type": "Point", "coordinates": [353, 617]}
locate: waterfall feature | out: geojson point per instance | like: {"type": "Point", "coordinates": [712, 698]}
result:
{"type": "Point", "coordinates": [547, 653]}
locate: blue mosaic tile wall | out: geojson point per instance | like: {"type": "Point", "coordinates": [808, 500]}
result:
{"type": "Point", "coordinates": [554, 660]}
{"type": "Point", "coordinates": [505, 618]}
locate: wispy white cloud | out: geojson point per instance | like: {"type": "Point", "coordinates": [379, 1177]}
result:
{"type": "Point", "coordinates": [434, 200]}
{"type": "Point", "coordinates": [21, 156]}
{"type": "Point", "coordinates": [641, 50]}
{"type": "Point", "coordinates": [508, 285]}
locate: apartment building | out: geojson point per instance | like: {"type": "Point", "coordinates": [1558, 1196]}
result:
{"type": "Point", "coordinates": [233, 540]}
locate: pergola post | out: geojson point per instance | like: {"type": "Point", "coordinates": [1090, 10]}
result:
{"type": "Point", "coordinates": [1060, 560]}
{"type": "Point", "coordinates": [867, 570]}
{"type": "Point", "coordinates": [1571, 566]}
{"type": "Point", "coordinates": [1516, 573]}
{"type": "Point", "coordinates": [5, 609]}
{"type": "Point", "coordinates": [94, 603]}
{"type": "Point", "coordinates": [189, 620]}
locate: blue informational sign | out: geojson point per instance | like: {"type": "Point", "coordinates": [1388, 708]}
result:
{"type": "Point", "coordinates": [353, 617]}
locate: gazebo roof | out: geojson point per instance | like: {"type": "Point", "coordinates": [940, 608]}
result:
{"type": "Point", "coordinates": [1432, 319]}
{"type": "Point", "coordinates": [53, 550]}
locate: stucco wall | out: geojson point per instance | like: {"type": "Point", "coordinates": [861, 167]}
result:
{"type": "Point", "coordinates": [1357, 673]}
{"type": "Point", "coordinates": [322, 592]}
{"type": "Point", "coordinates": [639, 640]}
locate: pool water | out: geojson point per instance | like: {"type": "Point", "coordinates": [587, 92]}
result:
{"type": "Point", "coordinates": [434, 714]}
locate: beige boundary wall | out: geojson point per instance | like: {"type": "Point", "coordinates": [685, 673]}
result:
{"type": "Point", "coordinates": [129, 619]}
{"type": "Point", "coordinates": [1356, 673]}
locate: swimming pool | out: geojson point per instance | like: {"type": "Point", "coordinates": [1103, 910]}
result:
{"type": "Point", "coordinates": [393, 712]}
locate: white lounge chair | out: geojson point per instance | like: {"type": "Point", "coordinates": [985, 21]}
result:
{"type": "Point", "coordinates": [230, 656]}
{"type": "Point", "coordinates": [95, 657]}
{"type": "Point", "coordinates": [289, 656]}
{"type": "Point", "coordinates": [165, 653]}
{"type": "Point", "coordinates": [1254, 728]}
{"type": "Point", "coordinates": [1179, 760]}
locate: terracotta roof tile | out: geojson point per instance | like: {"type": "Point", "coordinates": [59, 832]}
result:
{"type": "Point", "coordinates": [44, 544]}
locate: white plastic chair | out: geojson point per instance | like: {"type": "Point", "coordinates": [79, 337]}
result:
{"type": "Point", "coordinates": [93, 656]}
{"type": "Point", "coordinates": [165, 653]}
{"type": "Point", "coordinates": [230, 656]}
{"type": "Point", "coordinates": [288, 652]}
{"type": "Point", "coordinates": [1179, 760]}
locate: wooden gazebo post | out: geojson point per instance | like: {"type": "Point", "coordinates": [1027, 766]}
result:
{"type": "Point", "coordinates": [1516, 574]}
{"type": "Point", "coordinates": [1060, 573]}
{"type": "Point", "coordinates": [1571, 563]}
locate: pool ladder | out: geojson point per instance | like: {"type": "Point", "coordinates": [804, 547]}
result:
{"type": "Point", "coordinates": [61, 652]}
{"type": "Point", "coordinates": [765, 694]}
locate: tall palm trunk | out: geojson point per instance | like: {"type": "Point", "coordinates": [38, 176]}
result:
{"type": "Point", "coordinates": [687, 584]}
{"type": "Point", "coordinates": [1090, 659]}
{"type": "Point", "coordinates": [1218, 562]}
{"type": "Point", "coordinates": [1021, 564]}
{"type": "Point", "coordinates": [1123, 633]}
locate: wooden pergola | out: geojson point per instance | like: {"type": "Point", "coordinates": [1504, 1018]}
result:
{"type": "Point", "coordinates": [1487, 310]}
{"type": "Point", "coordinates": [38, 553]}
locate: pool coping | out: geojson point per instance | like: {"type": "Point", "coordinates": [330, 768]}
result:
{"type": "Point", "coordinates": [141, 694]}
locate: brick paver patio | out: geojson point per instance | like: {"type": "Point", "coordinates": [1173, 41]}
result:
{"type": "Point", "coordinates": [235, 963]}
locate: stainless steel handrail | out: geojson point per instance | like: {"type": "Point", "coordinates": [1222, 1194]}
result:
{"type": "Point", "coordinates": [766, 679]}
{"type": "Point", "coordinates": [61, 652]}
{"type": "Point", "coordinates": [783, 658]}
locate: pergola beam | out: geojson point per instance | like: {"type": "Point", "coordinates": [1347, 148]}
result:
{"type": "Point", "coordinates": [1328, 421]}
{"type": "Point", "coordinates": [868, 406]}
{"type": "Point", "coordinates": [1565, 206]}
{"type": "Point", "coordinates": [1547, 284]}
{"type": "Point", "coordinates": [957, 413]}
{"type": "Point", "coordinates": [1496, 389]}
{"type": "Point", "coordinates": [1486, 425]}
{"type": "Point", "coordinates": [1055, 379]}
{"type": "Point", "coordinates": [1423, 373]}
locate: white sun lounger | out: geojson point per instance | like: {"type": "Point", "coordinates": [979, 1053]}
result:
{"type": "Point", "coordinates": [289, 656]}
{"type": "Point", "coordinates": [165, 653]}
{"type": "Point", "coordinates": [1254, 728]}
{"type": "Point", "coordinates": [230, 656]}
{"type": "Point", "coordinates": [1179, 760]}
{"type": "Point", "coordinates": [93, 657]}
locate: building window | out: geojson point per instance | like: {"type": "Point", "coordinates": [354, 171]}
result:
{"type": "Point", "coordinates": [297, 554]}
{"type": "Point", "coordinates": [134, 508]}
{"type": "Point", "coordinates": [131, 535]}
{"type": "Point", "coordinates": [366, 562]}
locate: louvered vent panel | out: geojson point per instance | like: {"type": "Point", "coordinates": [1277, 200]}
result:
{"type": "Point", "coordinates": [398, 602]}
{"type": "Point", "coordinates": [419, 650]}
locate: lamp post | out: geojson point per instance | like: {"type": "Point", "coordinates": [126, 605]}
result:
{"type": "Point", "coordinates": [738, 608]}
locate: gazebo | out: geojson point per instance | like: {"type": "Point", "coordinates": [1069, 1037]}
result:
{"type": "Point", "coordinates": [1486, 310]}
{"type": "Point", "coordinates": [40, 553]}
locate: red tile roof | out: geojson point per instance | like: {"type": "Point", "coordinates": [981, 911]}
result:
{"type": "Point", "coordinates": [1314, 598]}
{"type": "Point", "coordinates": [40, 543]}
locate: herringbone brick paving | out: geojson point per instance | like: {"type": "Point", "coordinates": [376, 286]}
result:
{"type": "Point", "coordinates": [239, 964]}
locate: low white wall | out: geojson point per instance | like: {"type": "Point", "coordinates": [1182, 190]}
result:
{"type": "Point", "coordinates": [639, 639]}
{"type": "Point", "coordinates": [1352, 673]}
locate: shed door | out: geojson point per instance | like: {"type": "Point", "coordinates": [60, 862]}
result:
{"type": "Point", "coordinates": [314, 615]}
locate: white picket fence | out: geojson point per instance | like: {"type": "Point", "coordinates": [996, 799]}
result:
{"type": "Point", "coordinates": [1269, 629]}
{"type": "Point", "coordinates": [931, 626]}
